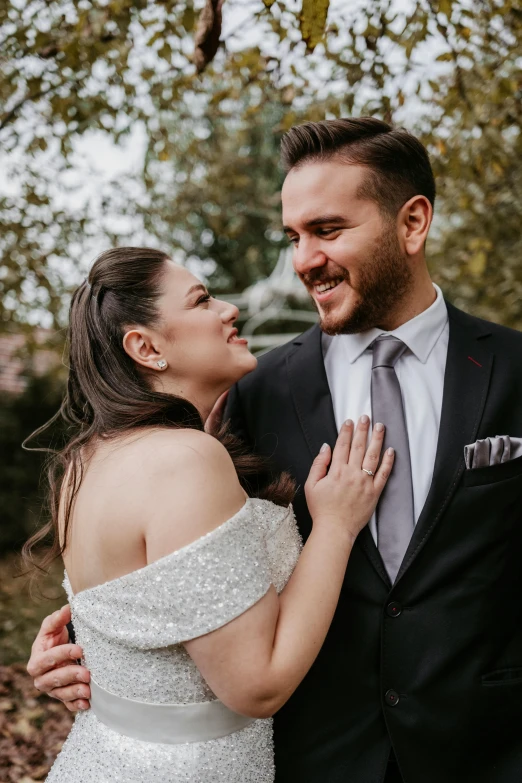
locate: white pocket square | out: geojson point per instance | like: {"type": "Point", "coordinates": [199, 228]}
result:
{"type": "Point", "coordinates": [492, 451]}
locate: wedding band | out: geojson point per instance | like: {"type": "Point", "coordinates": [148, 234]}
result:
{"type": "Point", "coordinates": [369, 472]}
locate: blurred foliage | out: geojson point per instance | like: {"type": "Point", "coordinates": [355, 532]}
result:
{"type": "Point", "coordinates": [212, 121]}
{"type": "Point", "coordinates": [21, 488]}
{"type": "Point", "coordinates": [215, 193]}
{"type": "Point", "coordinates": [476, 143]}
{"type": "Point", "coordinates": [23, 608]}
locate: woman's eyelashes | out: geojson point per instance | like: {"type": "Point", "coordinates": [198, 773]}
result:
{"type": "Point", "coordinates": [203, 299]}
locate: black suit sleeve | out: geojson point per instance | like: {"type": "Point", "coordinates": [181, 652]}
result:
{"type": "Point", "coordinates": [72, 635]}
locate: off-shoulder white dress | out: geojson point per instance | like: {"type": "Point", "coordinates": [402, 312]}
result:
{"type": "Point", "coordinates": [131, 630]}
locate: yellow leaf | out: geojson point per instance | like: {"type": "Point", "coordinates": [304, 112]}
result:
{"type": "Point", "coordinates": [188, 19]}
{"type": "Point", "coordinates": [477, 263]}
{"type": "Point", "coordinates": [312, 22]}
{"type": "Point", "coordinates": [445, 7]}
{"type": "Point", "coordinates": [445, 57]}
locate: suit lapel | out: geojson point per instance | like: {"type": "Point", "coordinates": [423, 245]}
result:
{"type": "Point", "coordinates": [310, 391]}
{"type": "Point", "coordinates": [313, 403]}
{"type": "Point", "coordinates": [466, 382]}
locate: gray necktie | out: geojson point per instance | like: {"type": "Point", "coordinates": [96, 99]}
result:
{"type": "Point", "coordinates": [395, 519]}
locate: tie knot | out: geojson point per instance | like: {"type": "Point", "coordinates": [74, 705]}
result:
{"type": "Point", "coordinates": [387, 351]}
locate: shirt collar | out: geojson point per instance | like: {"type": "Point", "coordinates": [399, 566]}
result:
{"type": "Point", "coordinates": [420, 334]}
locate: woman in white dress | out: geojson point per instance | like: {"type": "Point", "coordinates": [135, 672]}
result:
{"type": "Point", "coordinates": [196, 610]}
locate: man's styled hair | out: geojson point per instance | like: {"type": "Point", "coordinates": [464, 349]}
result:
{"type": "Point", "coordinates": [398, 164]}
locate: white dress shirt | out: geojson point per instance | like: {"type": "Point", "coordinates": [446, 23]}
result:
{"type": "Point", "coordinates": [420, 370]}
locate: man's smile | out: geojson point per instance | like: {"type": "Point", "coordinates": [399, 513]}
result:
{"type": "Point", "coordinates": [324, 290]}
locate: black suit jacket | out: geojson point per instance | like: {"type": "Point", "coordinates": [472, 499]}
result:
{"type": "Point", "coordinates": [446, 639]}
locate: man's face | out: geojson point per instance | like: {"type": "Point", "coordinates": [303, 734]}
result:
{"type": "Point", "coordinates": [346, 252]}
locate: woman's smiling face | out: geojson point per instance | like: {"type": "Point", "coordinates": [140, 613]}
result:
{"type": "Point", "coordinates": [197, 338]}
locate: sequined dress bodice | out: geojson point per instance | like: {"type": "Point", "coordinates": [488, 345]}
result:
{"type": "Point", "coordinates": [131, 630]}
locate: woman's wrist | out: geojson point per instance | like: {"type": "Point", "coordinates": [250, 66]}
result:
{"type": "Point", "coordinates": [329, 528]}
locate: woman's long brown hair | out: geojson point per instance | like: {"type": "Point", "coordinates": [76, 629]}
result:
{"type": "Point", "coordinates": [106, 393]}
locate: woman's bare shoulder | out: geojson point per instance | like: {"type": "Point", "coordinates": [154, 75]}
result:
{"type": "Point", "coordinates": [173, 448]}
{"type": "Point", "coordinates": [188, 484]}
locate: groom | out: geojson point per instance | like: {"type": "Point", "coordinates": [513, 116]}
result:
{"type": "Point", "coordinates": [424, 655]}
{"type": "Point", "coordinates": [420, 677]}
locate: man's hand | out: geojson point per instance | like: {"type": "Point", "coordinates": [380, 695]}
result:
{"type": "Point", "coordinates": [215, 419]}
{"type": "Point", "coordinates": [52, 663]}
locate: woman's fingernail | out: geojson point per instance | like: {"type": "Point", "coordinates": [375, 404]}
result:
{"type": "Point", "coordinates": [364, 419]}
{"type": "Point", "coordinates": [379, 426]}
{"type": "Point", "coordinates": [390, 451]}
{"type": "Point", "coordinates": [348, 423]}
{"type": "Point", "coordinates": [324, 447]}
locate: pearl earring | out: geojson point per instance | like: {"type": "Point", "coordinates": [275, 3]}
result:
{"type": "Point", "coordinates": [162, 364]}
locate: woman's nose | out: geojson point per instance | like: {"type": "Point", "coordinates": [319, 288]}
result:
{"type": "Point", "coordinates": [229, 313]}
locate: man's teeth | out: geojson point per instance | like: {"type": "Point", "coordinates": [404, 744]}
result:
{"type": "Point", "coordinates": [326, 286]}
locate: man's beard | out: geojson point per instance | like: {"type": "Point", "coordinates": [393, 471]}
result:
{"type": "Point", "coordinates": [384, 279]}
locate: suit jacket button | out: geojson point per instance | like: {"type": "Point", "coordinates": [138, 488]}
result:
{"type": "Point", "coordinates": [391, 698]}
{"type": "Point", "coordinates": [394, 609]}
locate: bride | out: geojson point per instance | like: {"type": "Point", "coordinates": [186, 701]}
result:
{"type": "Point", "coordinates": [197, 612]}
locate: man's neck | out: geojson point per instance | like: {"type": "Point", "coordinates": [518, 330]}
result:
{"type": "Point", "coordinates": [419, 299]}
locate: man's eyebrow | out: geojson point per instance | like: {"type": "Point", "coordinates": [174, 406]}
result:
{"type": "Point", "coordinates": [319, 221]}
{"type": "Point", "coordinates": [197, 287]}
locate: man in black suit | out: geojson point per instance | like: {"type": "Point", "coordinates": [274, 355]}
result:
{"type": "Point", "coordinates": [420, 677]}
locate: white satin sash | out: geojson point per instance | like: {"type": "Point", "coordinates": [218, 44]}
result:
{"type": "Point", "coordinates": [171, 724]}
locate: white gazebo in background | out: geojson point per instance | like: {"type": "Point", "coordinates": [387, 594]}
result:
{"type": "Point", "coordinates": [280, 298]}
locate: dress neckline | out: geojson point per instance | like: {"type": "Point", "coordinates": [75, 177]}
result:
{"type": "Point", "coordinates": [150, 567]}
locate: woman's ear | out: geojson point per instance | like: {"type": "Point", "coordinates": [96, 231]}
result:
{"type": "Point", "coordinates": [414, 223]}
{"type": "Point", "coordinates": [142, 348]}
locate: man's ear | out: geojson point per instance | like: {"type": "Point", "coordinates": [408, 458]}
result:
{"type": "Point", "coordinates": [414, 220]}
{"type": "Point", "coordinates": [140, 345]}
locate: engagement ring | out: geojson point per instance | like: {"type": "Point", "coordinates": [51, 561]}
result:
{"type": "Point", "coordinates": [369, 472]}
